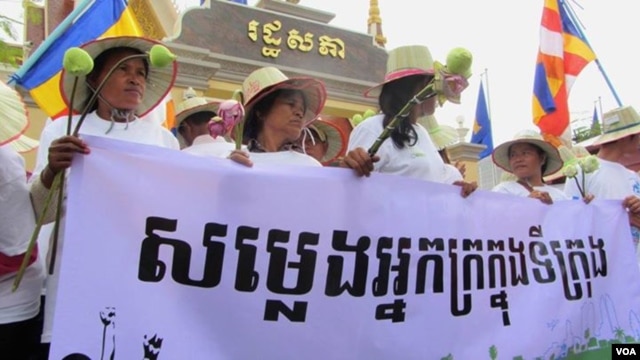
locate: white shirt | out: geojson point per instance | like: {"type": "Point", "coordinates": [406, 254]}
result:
{"type": "Point", "coordinates": [611, 181]}
{"type": "Point", "coordinates": [287, 157]}
{"type": "Point", "coordinates": [420, 161]}
{"type": "Point", "coordinates": [206, 145]}
{"type": "Point", "coordinates": [514, 188]}
{"type": "Point", "coordinates": [16, 226]}
{"type": "Point", "coordinates": [138, 131]}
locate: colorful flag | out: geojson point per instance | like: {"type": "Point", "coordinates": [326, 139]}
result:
{"type": "Point", "coordinates": [101, 18]}
{"type": "Point", "coordinates": [482, 125]}
{"type": "Point", "coordinates": [562, 55]}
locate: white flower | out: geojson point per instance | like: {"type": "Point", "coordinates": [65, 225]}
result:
{"type": "Point", "coordinates": [589, 164]}
{"type": "Point", "coordinates": [570, 170]}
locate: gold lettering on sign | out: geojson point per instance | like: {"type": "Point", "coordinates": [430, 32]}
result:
{"type": "Point", "coordinates": [252, 30]}
{"type": "Point", "coordinates": [295, 41]}
{"type": "Point", "coordinates": [268, 30]}
{"type": "Point", "coordinates": [270, 52]}
{"type": "Point", "coordinates": [331, 46]}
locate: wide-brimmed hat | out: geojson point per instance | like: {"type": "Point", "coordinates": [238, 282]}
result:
{"type": "Point", "coordinates": [402, 62]}
{"type": "Point", "coordinates": [266, 80]}
{"type": "Point", "coordinates": [500, 154]}
{"type": "Point", "coordinates": [192, 104]}
{"type": "Point", "coordinates": [333, 136]}
{"type": "Point", "coordinates": [441, 135]}
{"type": "Point", "coordinates": [159, 80]}
{"type": "Point", "coordinates": [13, 114]}
{"type": "Point", "coordinates": [618, 123]}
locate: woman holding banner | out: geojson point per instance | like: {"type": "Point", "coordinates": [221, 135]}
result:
{"type": "Point", "coordinates": [277, 109]}
{"type": "Point", "coordinates": [529, 158]}
{"type": "Point", "coordinates": [409, 151]}
{"type": "Point", "coordinates": [133, 89]}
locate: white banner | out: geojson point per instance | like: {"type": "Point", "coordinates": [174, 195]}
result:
{"type": "Point", "coordinates": [171, 256]}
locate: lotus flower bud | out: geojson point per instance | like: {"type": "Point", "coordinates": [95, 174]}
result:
{"type": "Point", "coordinates": [368, 113]}
{"type": "Point", "coordinates": [459, 62]}
{"type": "Point", "coordinates": [570, 170]}
{"type": "Point", "coordinates": [216, 127]}
{"type": "Point", "coordinates": [77, 61]}
{"type": "Point", "coordinates": [356, 119]}
{"type": "Point", "coordinates": [231, 112]}
{"type": "Point", "coordinates": [589, 164]}
{"type": "Point", "coordinates": [161, 56]}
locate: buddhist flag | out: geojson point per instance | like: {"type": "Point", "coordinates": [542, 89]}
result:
{"type": "Point", "coordinates": [93, 19]}
{"type": "Point", "coordinates": [562, 55]}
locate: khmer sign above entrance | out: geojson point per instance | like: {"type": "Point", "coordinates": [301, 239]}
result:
{"type": "Point", "coordinates": [271, 38]}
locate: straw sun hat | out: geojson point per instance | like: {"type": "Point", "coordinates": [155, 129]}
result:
{"type": "Point", "coordinates": [618, 123]}
{"type": "Point", "coordinates": [500, 154]}
{"type": "Point", "coordinates": [266, 80]}
{"type": "Point", "coordinates": [159, 81]}
{"type": "Point", "coordinates": [193, 104]}
{"type": "Point", "coordinates": [333, 136]}
{"type": "Point", "coordinates": [14, 120]}
{"type": "Point", "coordinates": [441, 135]}
{"type": "Point", "coordinates": [402, 62]}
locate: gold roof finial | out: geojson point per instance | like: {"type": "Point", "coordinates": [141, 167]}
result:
{"type": "Point", "coordinates": [374, 24]}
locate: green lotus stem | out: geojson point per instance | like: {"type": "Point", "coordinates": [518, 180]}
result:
{"type": "Point", "coordinates": [421, 96]}
{"type": "Point", "coordinates": [239, 131]}
{"type": "Point", "coordinates": [34, 236]}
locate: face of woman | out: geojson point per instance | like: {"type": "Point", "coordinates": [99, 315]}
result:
{"type": "Point", "coordinates": [125, 87]}
{"type": "Point", "coordinates": [284, 119]}
{"type": "Point", "coordinates": [525, 161]}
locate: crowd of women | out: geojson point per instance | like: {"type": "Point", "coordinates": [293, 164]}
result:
{"type": "Point", "coordinates": [280, 127]}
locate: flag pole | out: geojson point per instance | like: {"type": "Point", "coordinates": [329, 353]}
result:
{"type": "Point", "coordinates": [574, 19]}
{"type": "Point", "coordinates": [55, 34]}
{"type": "Point", "coordinates": [486, 95]}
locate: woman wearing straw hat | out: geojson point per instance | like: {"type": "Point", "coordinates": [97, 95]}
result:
{"type": "Point", "coordinates": [133, 90]}
{"type": "Point", "coordinates": [20, 325]}
{"type": "Point", "coordinates": [192, 121]}
{"type": "Point", "coordinates": [277, 109]}
{"type": "Point", "coordinates": [323, 141]}
{"type": "Point", "coordinates": [409, 151]}
{"type": "Point", "coordinates": [528, 157]}
{"type": "Point", "coordinates": [620, 138]}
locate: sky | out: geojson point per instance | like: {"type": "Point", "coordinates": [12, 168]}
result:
{"type": "Point", "coordinates": [503, 37]}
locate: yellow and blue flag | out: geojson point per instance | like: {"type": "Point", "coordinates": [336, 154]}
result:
{"type": "Point", "coordinates": [482, 125]}
{"type": "Point", "coordinates": [562, 55]}
{"type": "Point", "coordinates": [96, 19]}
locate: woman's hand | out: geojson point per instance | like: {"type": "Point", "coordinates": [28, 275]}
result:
{"type": "Point", "coordinates": [632, 204]}
{"type": "Point", "coordinates": [587, 198]}
{"type": "Point", "coordinates": [462, 167]}
{"type": "Point", "coordinates": [241, 157]}
{"type": "Point", "coordinates": [542, 196]}
{"type": "Point", "coordinates": [359, 160]}
{"type": "Point", "coordinates": [60, 156]}
{"type": "Point", "coordinates": [62, 150]}
{"type": "Point", "coordinates": [467, 187]}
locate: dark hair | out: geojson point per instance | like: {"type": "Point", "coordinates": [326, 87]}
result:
{"type": "Point", "coordinates": [252, 123]}
{"type": "Point", "coordinates": [393, 97]}
{"type": "Point", "coordinates": [199, 118]}
{"type": "Point", "coordinates": [100, 61]}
